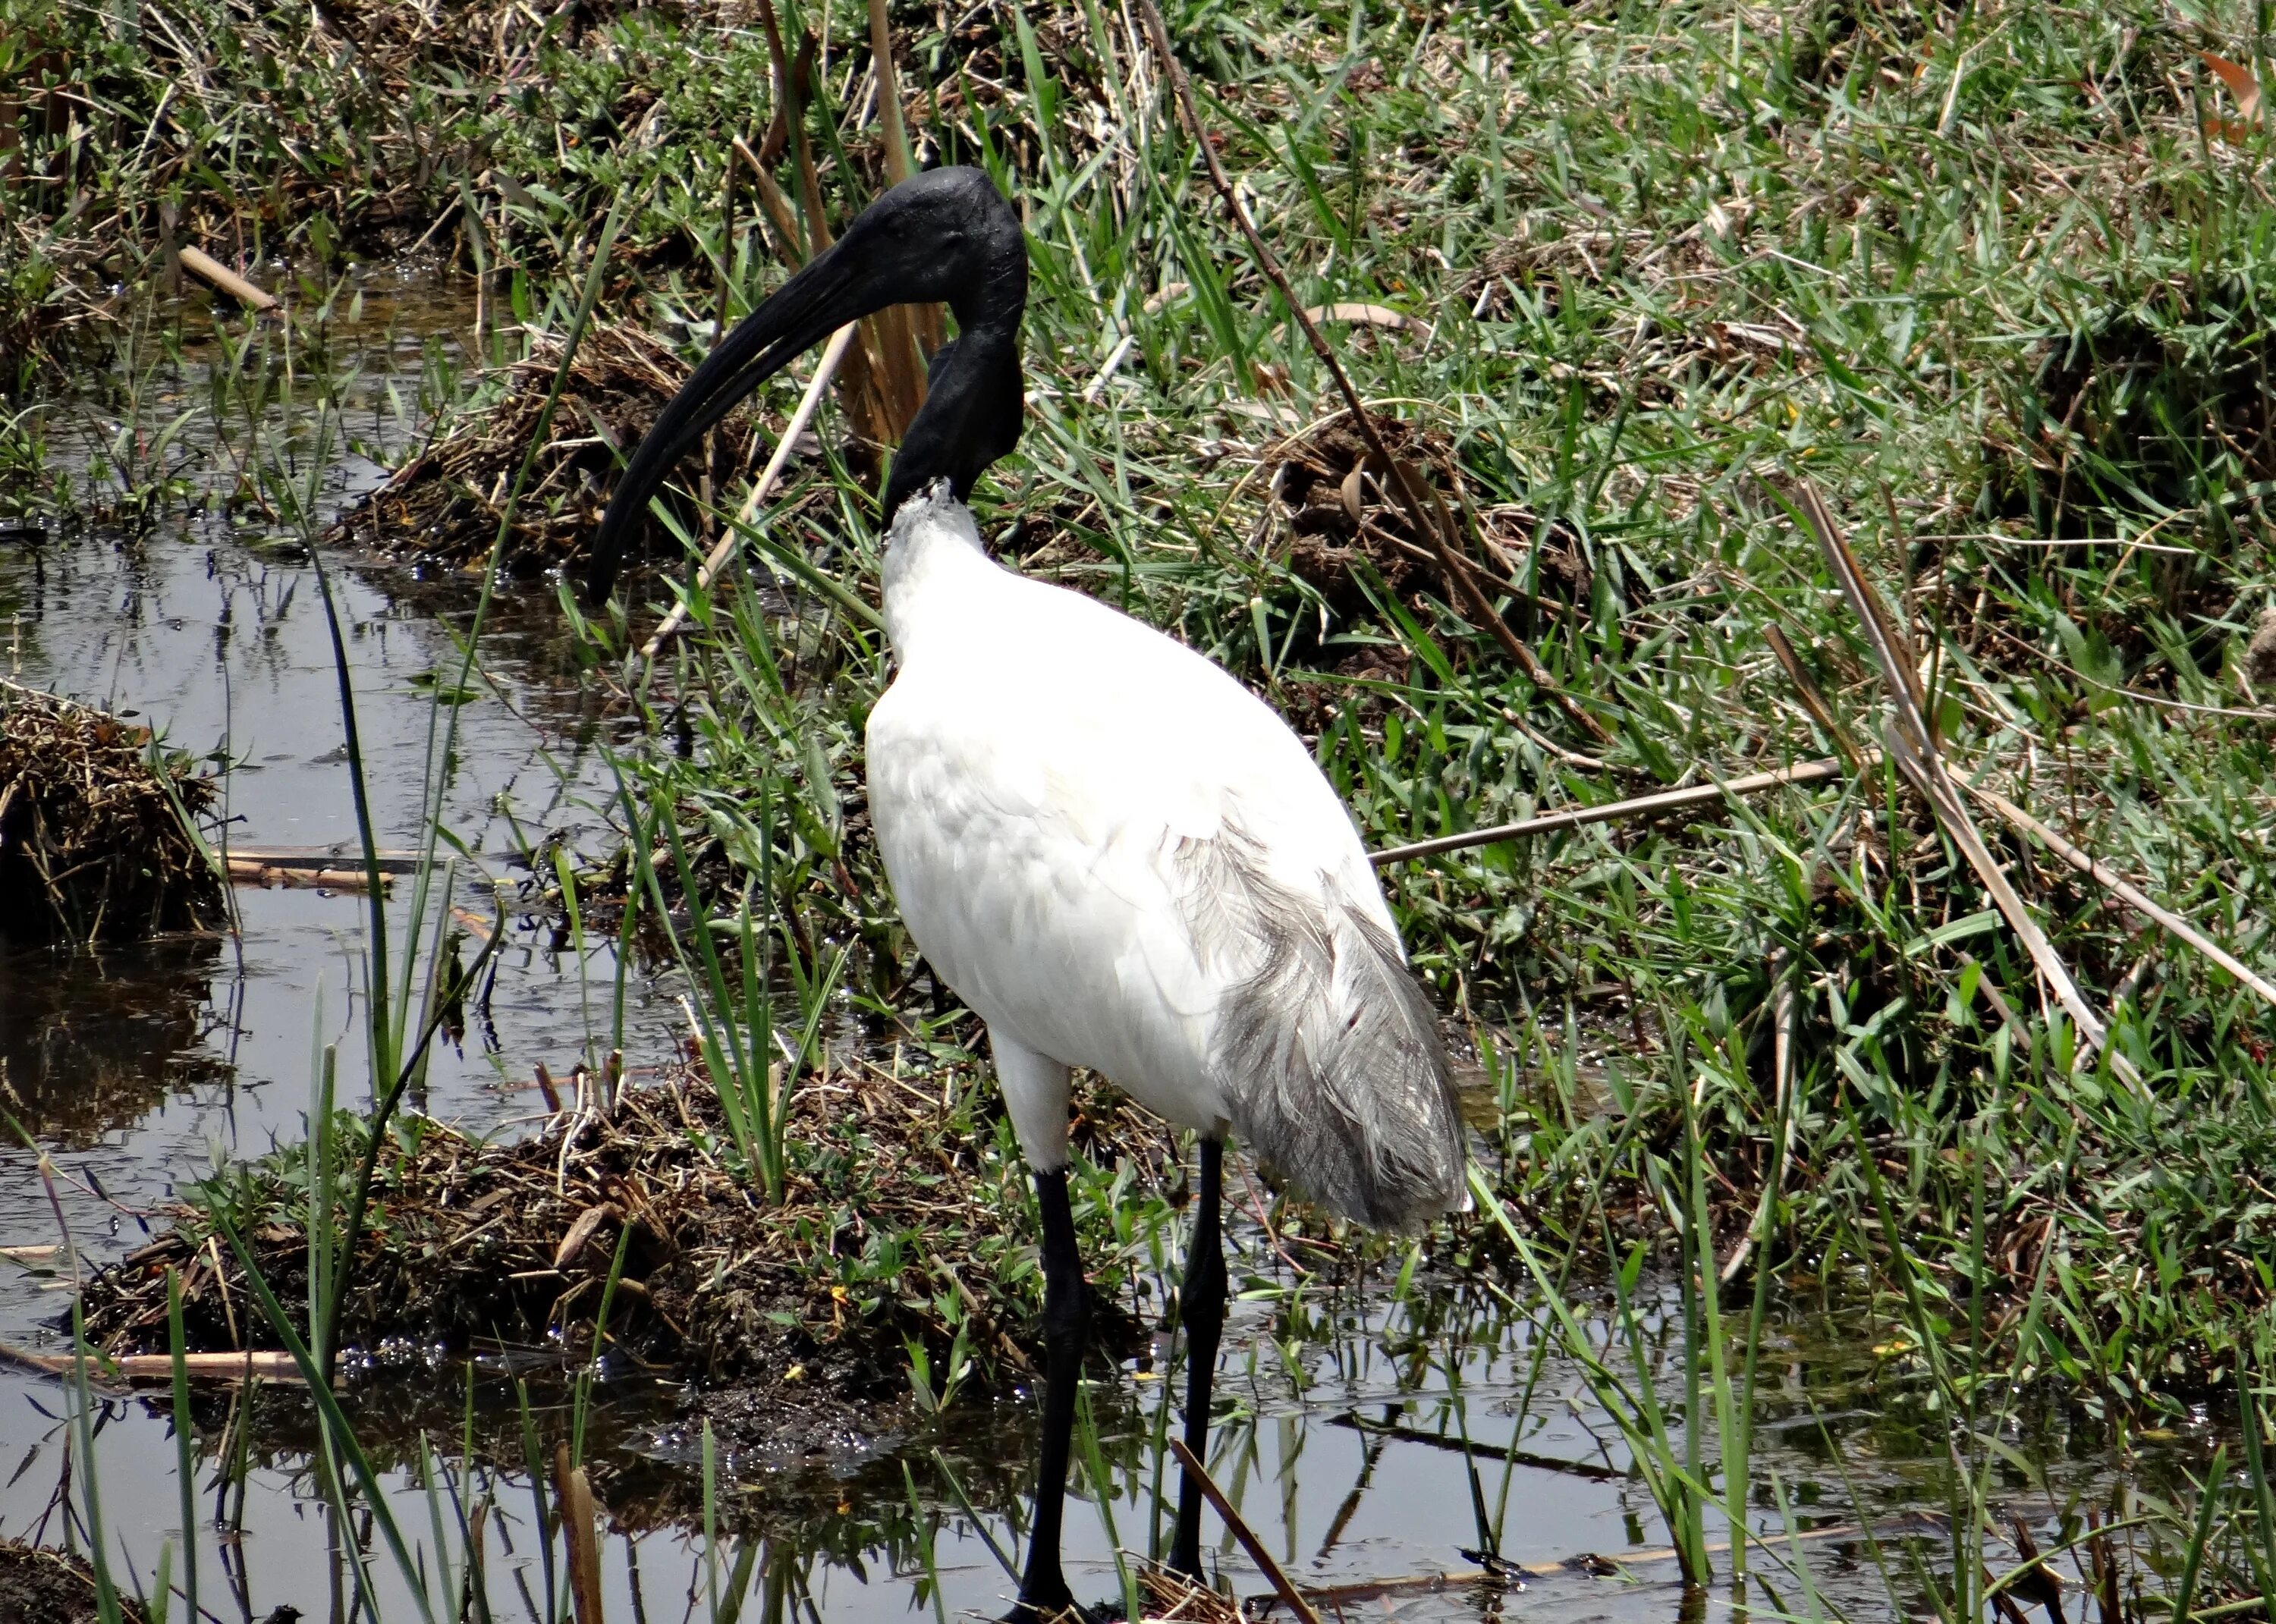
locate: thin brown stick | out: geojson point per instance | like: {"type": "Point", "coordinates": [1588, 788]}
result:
{"type": "Point", "coordinates": [1640, 806]}
{"type": "Point", "coordinates": [2123, 888]}
{"type": "Point", "coordinates": [1405, 484]}
{"type": "Point", "coordinates": [323, 857]}
{"type": "Point", "coordinates": [921, 323]}
{"type": "Point", "coordinates": [790, 84]}
{"type": "Point", "coordinates": [895, 328]}
{"type": "Point", "coordinates": [1283, 1585]}
{"type": "Point", "coordinates": [293, 877]}
{"type": "Point", "coordinates": [776, 204]}
{"type": "Point", "coordinates": [889, 95]}
{"type": "Point", "coordinates": [477, 1582]}
{"type": "Point", "coordinates": [268, 1364]}
{"type": "Point", "coordinates": [199, 262]}
{"type": "Point", "coordinates": [776, 142]}
{"type": "Point", "coordinates": [859, 389]}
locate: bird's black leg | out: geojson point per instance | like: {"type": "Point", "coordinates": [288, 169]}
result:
{"type": "Point", "coordinates": [1066, 1325]}
{"type": "Point", "coordinates": [1200, 1313]}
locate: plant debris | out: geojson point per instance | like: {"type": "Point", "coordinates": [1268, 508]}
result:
{"type": "Point", "coordinates": [46, 1587]}
{"type": "Point", "coordinates": [443, 507]}
{"type": "Point", "coordinates": [1345, 524]}
{"type": "Point", "coordinates": [93, 846]}
{"type": "Point", "coordinates": [902, 1227]}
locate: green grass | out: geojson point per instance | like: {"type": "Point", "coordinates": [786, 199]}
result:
{"type": "Point", "coordinates": [1979, 274]}
{"type": "Point", "coordinates": [1976, 275]}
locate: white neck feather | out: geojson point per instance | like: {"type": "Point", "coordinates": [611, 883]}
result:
{"type": "Point", "coordinates": [933, 567]}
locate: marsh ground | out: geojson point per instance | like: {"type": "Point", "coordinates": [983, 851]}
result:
{"type": "Point", "coordinates": [1987, 276]}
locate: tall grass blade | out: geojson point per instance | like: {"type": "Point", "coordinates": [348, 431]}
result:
{"type": "Point", "coordinates": [336, 1432]}
{"type": "Point", "coordinates": [186, 1476]}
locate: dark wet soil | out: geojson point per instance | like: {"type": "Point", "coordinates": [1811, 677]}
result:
{"type": "Point", "coordinates": [46, 1587]}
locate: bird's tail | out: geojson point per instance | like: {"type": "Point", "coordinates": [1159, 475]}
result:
{"type": "Point", "coordinates": [1336, 1076]}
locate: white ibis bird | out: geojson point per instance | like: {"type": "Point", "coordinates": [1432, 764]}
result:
{"type": "Point", "coordinates": [1115, 855]}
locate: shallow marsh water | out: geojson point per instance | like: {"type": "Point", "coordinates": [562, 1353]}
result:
{"type": "Point", "coordinates": [1351, 1450]}
{"type": "Point", "coordinates": [137, 1066]}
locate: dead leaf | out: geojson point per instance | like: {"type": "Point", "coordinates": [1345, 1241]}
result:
{"type": "Point", "coordinates": [589, 1222]}
{"type": "Point", "coordinates": [1364, 315]}
{"type": "Point", "coordinates": [2242, 86]}
{"type": "Point", "coordinates": [1162, 296]}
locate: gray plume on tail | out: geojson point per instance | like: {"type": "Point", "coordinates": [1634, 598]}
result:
{"type": "Point", "coordinates": [1327, 1051]}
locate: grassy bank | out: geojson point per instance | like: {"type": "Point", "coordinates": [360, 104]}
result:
{"type": "Point", "coordinates": [893, 1271]}
{"type": "Point", "coordinates": [1985, 279]}
{"type": "Point", "coordinates": [1614, 280]}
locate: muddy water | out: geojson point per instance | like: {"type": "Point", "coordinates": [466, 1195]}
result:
{"type": "Point", "coordinates": [1349, 1460]}
{"type": "Point", "coordinates": [1380, 1445]}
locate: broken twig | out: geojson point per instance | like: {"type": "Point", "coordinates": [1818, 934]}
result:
{"type": "Point", "coordinates": [574, 1503]}
{"type": "Point", "coordinates": [269, 1364]}
{"type": "Point", "coordinates": [199, 263]}
{"type": "Point", "coordinates": [1282, 1584]}
{"type": "Point", "coordinates": [1639, 806]}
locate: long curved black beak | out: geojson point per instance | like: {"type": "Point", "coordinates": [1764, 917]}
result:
{"type": "Point", "coordinates": [944, 235]}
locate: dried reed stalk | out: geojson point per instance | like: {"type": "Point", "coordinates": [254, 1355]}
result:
{"type": "Point", "coordinates": [1912, 745]}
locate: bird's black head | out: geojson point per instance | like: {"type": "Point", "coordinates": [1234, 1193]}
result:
{"type": "Point", "coordinates": [945, 235]}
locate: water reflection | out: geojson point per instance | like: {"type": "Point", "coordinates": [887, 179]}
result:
{"type": "Point", "coordinates": [1391, 1450]}
{"type": "Point", "coordinates": [92, 1039]}
{"type": "Point", "coordinates": [210, 628]}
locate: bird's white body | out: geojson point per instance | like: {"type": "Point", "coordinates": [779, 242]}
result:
{"type": "Point", "coordinates": [1048, 780]}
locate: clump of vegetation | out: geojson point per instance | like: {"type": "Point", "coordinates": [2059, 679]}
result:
{"type": "Point", "coordinates": [443, 506]}
{"type": "Point", "coordinates": [2152, 405]}
{"type": "Point", "coordinates": [96, 841]}
{"type": "Point", "coordinates": [897, 1261]}
{"type": "Point", "coordinates": [39, 1586]}
{"type": "Point", "coordinates": [1622, 303]}
{"type": "Point", "coordinates": [1630, 275]}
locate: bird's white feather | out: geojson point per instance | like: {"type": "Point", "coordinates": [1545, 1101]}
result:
{"type": "Point", "coordinates": [1053, 786]}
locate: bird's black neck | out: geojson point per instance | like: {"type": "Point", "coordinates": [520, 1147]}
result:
{"type": "Point", "coordinates": [974, 401]}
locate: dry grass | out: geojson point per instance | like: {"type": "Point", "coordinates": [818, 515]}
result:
{"type": "Point", "coordinates": [903, 1220]}
{"type": "Point", "coordinates": [92, 844]}
{"type": "Point", "coordinates": [445, 506]}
